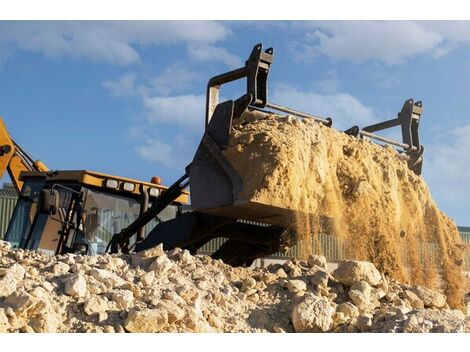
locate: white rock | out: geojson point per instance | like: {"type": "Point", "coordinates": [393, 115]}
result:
{"type": "Point", "coordinates": [109, 278]}
{"type": "Point", "coordinates": [320, 278]}
{"type": "Point", "coordinates": [7, 285]}
{"type": "Point", "coordinates": [21, 302]}
{"type": "Point", "coordinates": [281, 274]}
{"type": "Point", "coordinates": [413, 299]}
{"type": "Point", "coordinates": [146, 320]}
{"type": "Point", "coordinates": [352, 271]}
{"type": "Point", "coordinates": [60, 268]}
{"type": "Point", "coordinates": [248, 283]}
{"type": "Point", "coordinates": [148, 278]}
{"type": "Point", "coordinates": [360, 294]}
{"type": "Point", "coordinates": [349, 310]}
{"type": "Point", "coordinates": [75, 285]}
{"type": "Point", "coordinates": [313, 314]}
{"type": "Point", "coordinates": [431, 299]}
{"type": "Point", "coordinates": [161, 265]}
{"type": "Point", "coordinates": [96, 305]}
{"type": "Point", "coordinates": [174, 312]}
{"type": "Point", "coordinates": [145, 258]}
{"type": "Point", "coordinates": [316, 260]}
{"type": "Point", "coordinates": [16, 271]}
{"type": "Point", "coordinates": [123, 298]}
{"type": "Point", "coordinates": [295, 286]}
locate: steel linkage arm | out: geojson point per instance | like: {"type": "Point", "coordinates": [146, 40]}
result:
{"type": "Point", "coordinates": [120, 241]}
{"type": "Point", "coordinates": [408, 119]}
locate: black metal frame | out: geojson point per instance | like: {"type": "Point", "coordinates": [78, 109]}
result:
{"type": "Point", "coordinates": [408, 119]}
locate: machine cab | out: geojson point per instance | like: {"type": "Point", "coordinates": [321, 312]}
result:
{"type": "Point", "coordinates": [79, 211]}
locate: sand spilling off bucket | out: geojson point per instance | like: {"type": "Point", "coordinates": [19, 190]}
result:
{"type": "Point", "coordinates": [354, 189]}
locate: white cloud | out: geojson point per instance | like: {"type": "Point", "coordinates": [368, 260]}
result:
{"type": "Point", "coordinates": [387, 41]}
{"type": "Point", "coordinates": [391, 42]}
{"type": "Point", "coordinates": [330, 82]}
{"type": "Point", "coordinates": [157, 151]}
{"type": "Point", "coordinates": [174, 77]}
{"type": "Point", "coordinates": [174, 153]}
{"type": "Point", "coordinates": [104, 41]}
{"type": "Point", "coordinates": [123, 87]}
{"type": "Point", "coordinates": [204, 53]}
{"type": "Point", "coordinates": [343, 108]}
{"type": "Point", "coordinates": [184, 110]}
{"type": "Point", "coordinates": [381, 78]}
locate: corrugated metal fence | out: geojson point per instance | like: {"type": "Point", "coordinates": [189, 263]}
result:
{"type": "Point", "coordinates": [8, 200]}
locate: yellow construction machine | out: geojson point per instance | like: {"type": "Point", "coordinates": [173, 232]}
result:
{"type": "Point", "coordinates": [63, 206]}
{"type": "Point", "coordinates": [86, 207]}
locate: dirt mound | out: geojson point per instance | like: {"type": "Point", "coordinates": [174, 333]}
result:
{"type": "Point", "coordinates": [157, 291]}
{"type": "Point", "coordinates": [354, 189]}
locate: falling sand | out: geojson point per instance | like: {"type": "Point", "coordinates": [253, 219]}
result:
{"type": "Point", "coordinates": [354, 189]}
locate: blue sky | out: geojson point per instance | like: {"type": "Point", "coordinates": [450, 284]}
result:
{"type": "Point", "coordinates": [127, 98]}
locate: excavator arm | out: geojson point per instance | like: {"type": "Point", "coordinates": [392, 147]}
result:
{"type": "Point", "coordinates": [15, 159]}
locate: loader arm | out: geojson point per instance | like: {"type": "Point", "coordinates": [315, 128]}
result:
{"type": "Point", "coordinates": [15, 159]}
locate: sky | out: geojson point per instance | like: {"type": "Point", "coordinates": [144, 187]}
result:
{"type": "Point", "coordinates": [127, 98]}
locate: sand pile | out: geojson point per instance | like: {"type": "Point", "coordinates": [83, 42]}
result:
{"type": "Point", "coordinates": [157, 291]}
{"type": "Point", "coordinates": [354, 189]}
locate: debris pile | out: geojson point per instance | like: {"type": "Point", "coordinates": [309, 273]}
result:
{"type": "Point", "coordinates": [173, 291]}
{"type": "Point", "coordinates": [357, 190]}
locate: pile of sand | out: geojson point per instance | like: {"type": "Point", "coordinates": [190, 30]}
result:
{"type": "Point", "coordinates": [381, 208]}
{"type": "Point", "coordinates": [157, 291]}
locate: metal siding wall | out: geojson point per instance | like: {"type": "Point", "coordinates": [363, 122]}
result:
{"type": "Point", "coordinates": [7, 205]}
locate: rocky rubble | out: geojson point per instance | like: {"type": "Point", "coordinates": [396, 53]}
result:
{"type": "Point", "coordinates": [158, 291]}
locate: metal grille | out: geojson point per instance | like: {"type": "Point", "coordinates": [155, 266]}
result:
{"type": "Point", "coordinates": [7, 205]}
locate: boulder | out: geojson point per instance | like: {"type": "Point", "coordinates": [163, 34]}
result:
{"type": "Point", "coordinates": [363, 322]}
{"type": "Point", "coordinates": [75, 285]}
{"type": "Point", "coordinates": [413, 299]}
{"type": "Point", "coordinates": [349, 272]}
{"type": "Point", "coordinates": [96, 305]}
{"type": "Point", "coordinates": [313, 314]}
{"type": "Point", "coordinates": [174, 312]}
{"type": "Point", "coordinates": [281, 274]}
{"type": "Point", "coordinates": [60, 268]}
{"type": "Point", "coordinates": [349, 310]}
{"type": "Point", "coordinates": [146, 320]}
{"type": "Point", "coordinates": [7, 285]}
{"type": "Point", "coordinates": [16, 271]}
{"type": "Point", "coordinates": [20, 302]}
{"type": "Point", "coordinates": [247, 284]}
{"type": "Point", "coordinates": [296, 286]}
{"type": "Point", "coordinates": [430, 298]}
{"type": "Point", "coordinates": [161, 265]}
{"type": "Point", "coordinates": [108, 278]}
{"type": "Point", "coordinates": [431, 320]}
{"type": "Point", "coordinates": [46, 320]}
{"type": "Point", "coordinates": [360, 294]}
{"type": "Point", "coordinates": [316, 260]}
{"type": "Point", "coordinates": [145, 258]}
{"type": "Point", "coordinates": [320, 278]}
{"type": "Point", "coordinates": [123, 298]}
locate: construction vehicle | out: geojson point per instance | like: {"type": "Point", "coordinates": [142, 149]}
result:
{"type": "Point", "coordinates": [251, 229]}
{"type": "Point", "coordinates": [90, 206]}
